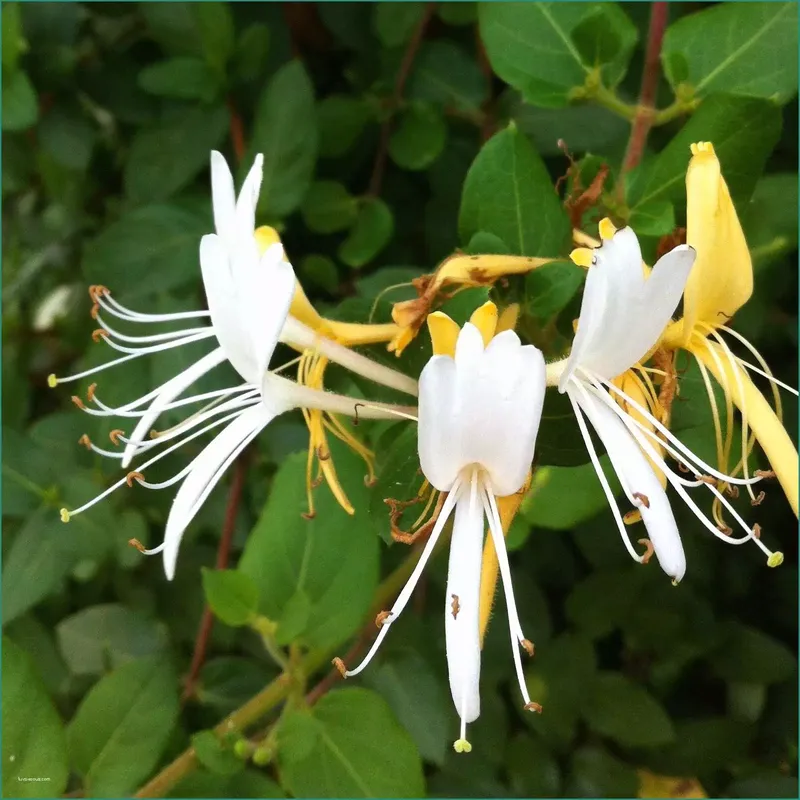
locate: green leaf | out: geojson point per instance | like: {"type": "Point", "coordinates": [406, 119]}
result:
{"type": "Point", "coordinates": [332, 558]}
{"type": "Point", "coordinates": [750, 656]}
{"type": "Point", "coordinates": [106, 636]}
{"type": "Point", "coordinates": [20, 103]}
{"type": "Point", "coordinates": [743, 49]}
{"type": "Point", "coordinates": [596, 773]}
{"type": "Point", "coordinates": [653, 219]}
{"type": "Point", "coordinates": [445, 75]}
{"type": "Point", "coordinates": [166, 157]}
{"type": "Point", "coordinates": [372, 231]}
{"type": "Point", "coordinates": [743, 132]}
{"type": "Point", "coordinates": [418, 138]}
{"type": "Point", "coordinates": [457, 13]}
{"type": "Point", "coordinates": [227, 682]}
{"type": "Point", "coordinates": [533, 770]}
{"type": "Point", "coordinates": [770, 219]}
{"type": "Point", "coordinates": [600, 603]}
{"type": "Point", "coordinates": [232, 595]}
{"type": "Point", "coordinates": [34, 745]}
{"type": "Point", "coordinates": [213, 756]}
{"type": "Point", "coordinates": [562, 497]}
{"type": "Point", "coordinates": [329, 207]}
{"type": "Point", "coordinates": [319, 272]}
{"type": "Point", "coordinates": [215, 26]}
{"type": "Point", "coordinates": [508, 192]}
{"type": "Point", "coordinates": [149, 249]}
{"type": "Point", "coordinates": [626, 712]}
{"type": "Point", "coordinates": [559, 442]}
{"type": "Point", "coordinates": [14, 44]}
{"type": "Point", "coordinates": [247, 783]}
{"type": "Point", "coordinates": [285, 131]}
{"type": "Point", "coordinates": [68, 136]}
{"type": "Point", "coordinates": [342, 746]}
{"type": "Point", "coordinates": [547, 50]}
{"type": "Point", "coordinates": [549, 289]}
{"type": "Point", "coordinates": [251, 53]}
{"type": "Point", "coordinates": [185, 78]}
{"type": "Point", "coordinates": [123, 725]}
{"type": "Point", "coordinates": [340, 119]}
{"type": "Point", "coordinates": [395, 22]}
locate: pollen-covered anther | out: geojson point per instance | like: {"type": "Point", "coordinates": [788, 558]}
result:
{"type": "Point", "coordinates": [649, 550]}
{"type": "Point", "coordinates": [137, 544]}
{"type": "Point", "coordinates": [85, 441]}
{"type": "Point", "coordinates": [642, 498]}
{"type": "Point", "coordinates": [115, 434]}
{"type": "Point", "coordinates": [52, 380]}
{"type": "Point", "coordinates": [455, 606]}
{"type": "Point", "coordinates": [96, 291]}
{"type": "Point", "coordinates": [317, 482]}
{"type": "Point", "coordinates": [90, 392]}
{"type": "Point", "coordinates": [94, 311]}
{"type": "Point", "coordinates": [758, 499]}
{"type": "Point", "coordinates": [78, 402]}
{"type": "Point", "coordinates": [64, 515]}
{"type": "Point", "coordinates": [633, 516]}
{"type": "Point", "coordinates": [339, 664]}
{"type": "Point", "coordinates": [370, 481]}
{"type": "Point", "coordinates": [309, 515]}
{"type": "Point", "coordinates": [380, 619]}
{"type": "Point", "coordinates": [733, 491]}
{"type": "Point", "coordinates": [776, 559]}
{"type": "Point", "coordinates": [133, 476]}
{"type": "Point", "coordinates": [756, 531]}
{"type": "Point", "coordinates": [764, 473]}
{"type": "Point", "coordinates": [462, 746]}
{"type": "Point", "coordinates": [707, 479]}
{"type": "Point", "coordinates": [323, 454]}
{"type": "Point", "coordinates": [725, 530]}
{"type": "Point", "coordinates": [98, 334]}
{"type": "Point", "coordinates": [535, 707]}
{"type": "Point", "coordinates": [528, 646]}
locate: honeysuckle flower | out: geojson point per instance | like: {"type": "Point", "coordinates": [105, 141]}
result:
{"type": "Point", "coordinates": [249, 295]}
{"type": "Point", "coordinates": [719, 285]}
{"type": "Point", "coordinates": [623, 313]}
{"type": "Point", "coordinates": [480, 403]}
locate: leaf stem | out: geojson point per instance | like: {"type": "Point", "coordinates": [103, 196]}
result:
{"type": "Point", "coordinates": [608, 99]}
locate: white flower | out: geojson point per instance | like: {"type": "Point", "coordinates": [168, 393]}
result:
{"type": "Point", "coordinates": [249, 295]}
{"type": "Point", "coordinates": [479, 416]}
{"type": "Point", "coordinates": [623, 313]}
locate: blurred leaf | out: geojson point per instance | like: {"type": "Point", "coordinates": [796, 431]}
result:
{"type": "Point", "coordinates": [251, 52]}
{"type": "Point", "coordinates": [743, 132]}
{"type": "Point", "coordinates": [548, 49]}
{"type": "Point", "coordinates": [20, 104]}
{"type": "Point", "coordinates": [228, 681]}
{"type": "Point", "coordinates": [319, 272]}
{"type": "Point", "coordinates": [559, 442]}
{"type": "Point", "coordinates": [232, 595]}
{"type": "Point", "coordinates": [67, 134]}
{"type": "Point", "coordinates": [14, 44]}
{"type": "Point", "coordinates": [770, 218]}
{"type": "Point", "coordinates": [107, 636]}
{"type": "Point", "coordinates": [247, 783]}
{"type": "Point", "coordinates": [533, 769]}
{"type": "Point", "coordinates": [332, 558]}
{"type": "Point", "coordinates": [600, 602]}
{"type": "Point", "coordinates": [329, 207]}
{"type": "Point", "coordinates": [343, 746]}
{"type": "Point", "coordinates": [418, 138]}
{"type": "Point", "coordinates": [395, 22]}
{"type": "Point", "coordinates": [372, 231]}
{"type": "Point", "coordinates": [166, 157]}
{"type": "Point", "coordinates": [626, 712]}
{"type": "Point", "coordinates": [508, 192]}
{"type": "Point", "coordinates": [548, 289]}
{"type": "Point", "coordinates": [750, 656]}
{"type": "Point", "coordinates": [340, 119]}
{"type": "Point", "coordinates": [123, 725]}
{"type": "Point", "coordinates": [443, 74]}
{"type": "Point", "coordinates": [596, 773]}
{"type": "Point", "coordinates": [215, 25]}
{"type": "Point", "coordinates": [767, 785]}
{"type": "Point", "coordinates": [213, 756]}
{"type": "Point", "coordinates": [147, 250]}
{"type": "Point", "coordinates": [285, 130]}
{"type": "Point", "coordinates": [746, 50]}
{"type": "Point", "coordinates": [34, 745]}
{"type": "Point", "coordinates": [457, 13]}
{"type": "Point", "coordinates": [185, 78]}
{"type": "Point", "coordinates": [38, 642]}
{"type": "Point", "coordinates": [653, 219]}
{"type": "Point", "coordinates": [408, 682]}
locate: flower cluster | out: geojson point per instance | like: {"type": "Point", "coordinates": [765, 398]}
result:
{"type": "Point", "coordinates": [480, 396]}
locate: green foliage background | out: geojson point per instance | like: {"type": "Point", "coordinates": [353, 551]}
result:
{"type": "Point", "coordinates": [109, 113]}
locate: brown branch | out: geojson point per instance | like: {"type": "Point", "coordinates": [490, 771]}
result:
{"type": "Point", "coordinates": [379, 165]}
{"type": "Point", "coordinates": [207, 620]}
{"type": "Point", "coordinates": [645, 110]}
{"type": "Point", "coordinates": [237, 131]}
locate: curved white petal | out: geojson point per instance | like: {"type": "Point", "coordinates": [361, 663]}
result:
{"type": "Point", "coordinates": [462, 636]}
{"type": "Point", "coordinates": [229, 322]}
{"type": "Point", "coordinates": [439, 458]}
{"type": "Point", "coordinates": [636, 473]}
{"type": "Point", "coordinates": [206, 470]}
{"type": "Point", "coordinates": [168, 392]}
{"type": "Point", "coordinates": [223, 196]}
{"type": "Point", "coordinates": [248, 197]}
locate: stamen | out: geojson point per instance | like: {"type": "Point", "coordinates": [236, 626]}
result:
{"type": "Point", "coordinates": [381, 618]}
{"type": "Point", "coordinates": [649, 550]}
{"type": "Point", "coordinates": [529, 647]}
{"type": "Point", "coordinates": [339, 664]}
{"type": "Point", "coordinates": [462, 746]}
{"type": "Point", "coordinates": [645, 500]}
{"type": "Point", "coordinates": [455, 607]}
{"type": "Point", "coordinates": [535, 707]}
{"type": "Point", "coordinates": [134, 476]}
{"type": "Point", "coordinates": [85, 441]}
{"type": "Point", "coordinates": [115, 435]}
{"type": "Point", "coordinates": [98, 334]}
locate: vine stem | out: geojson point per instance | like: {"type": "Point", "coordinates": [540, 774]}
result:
{"type": "Point", "coordinates": [278, 690]}
{"type": "Point", "coordinates": [379, 165]}
{"type": "Point", "coordinates": [645, 110]}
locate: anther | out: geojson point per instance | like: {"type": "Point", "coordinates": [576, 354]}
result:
{"type": "Point", "coordinates": [94, 311]}
{"type": "Point", "coordinates": [462, 746]}
{"type": "Point", "coordinates": [535, 707]}
{"type": "Point", "coordinates": [78, 402]}
{"type": "Point", "coordinates": [90, 392]}
{"type": "Point", "coordinates": [133, 476]}
{"type": "Point", "coordinates": [64, 515]}
{"type": "Point", "coordinates": [317, 482]}
{"type": "Point", "coordinates": [776, 559]}
{"type": "Point", "coordinates": [642, 498]}
{"type": "Point", "coordinates": [632, 517]}
{"type": "Point", "coordinates": [725, 530]}
{"type": "Point", "coordinates": [682, 467]}
{"type": "Point", "coordinates": [52, 381]}
{"type": "Point", "coordinates": [308, 514]}
{"type": "Point", "coordinates": [380, 620]}
{"type": "Point", "coordinates": [339, 664]}
{"type": "Point", "coordinates": [98, 334]}
{"type": "Point", "coordinates": [711, 481]}
{"type": "Point", "coordinates": [757, 531]}
{"type": "Point", "coordinates": [323, 454]}
{"type": "Point", "coordinates": [758, 499]}
{"type": "Point", "coordinates": [764, 473]}
{"type": "Point", "coordinates": [649, 550]}
{"type": "Point", "coordinates": [733, 491]}
{"type": "Point", "coordinates": [370, 481]}
{"type": "Point", "coordinates": [527, 644]}
{"type": "Point", "coordinates": [115, 434]}
{"type": "Point", "coordinates": [455, 606]}
{"type": "Point", "coordinates": [85, 441]}
{"type": "Point", "coordinates": [137, 544]}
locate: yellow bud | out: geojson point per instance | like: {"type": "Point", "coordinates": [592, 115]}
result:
{"type": "Point", "coordinates": [721, 280]}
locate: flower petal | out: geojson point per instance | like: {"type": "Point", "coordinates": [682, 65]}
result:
{"type": "Point", "coordinates": [248, 197]}
{"type": "Point", "coordinates": [223, 196]}
{"type": "Point", "coordinates": [439, 457]}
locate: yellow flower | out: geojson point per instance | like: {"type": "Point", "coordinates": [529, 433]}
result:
{"type": "Point", "coordinates": [719, 284]}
